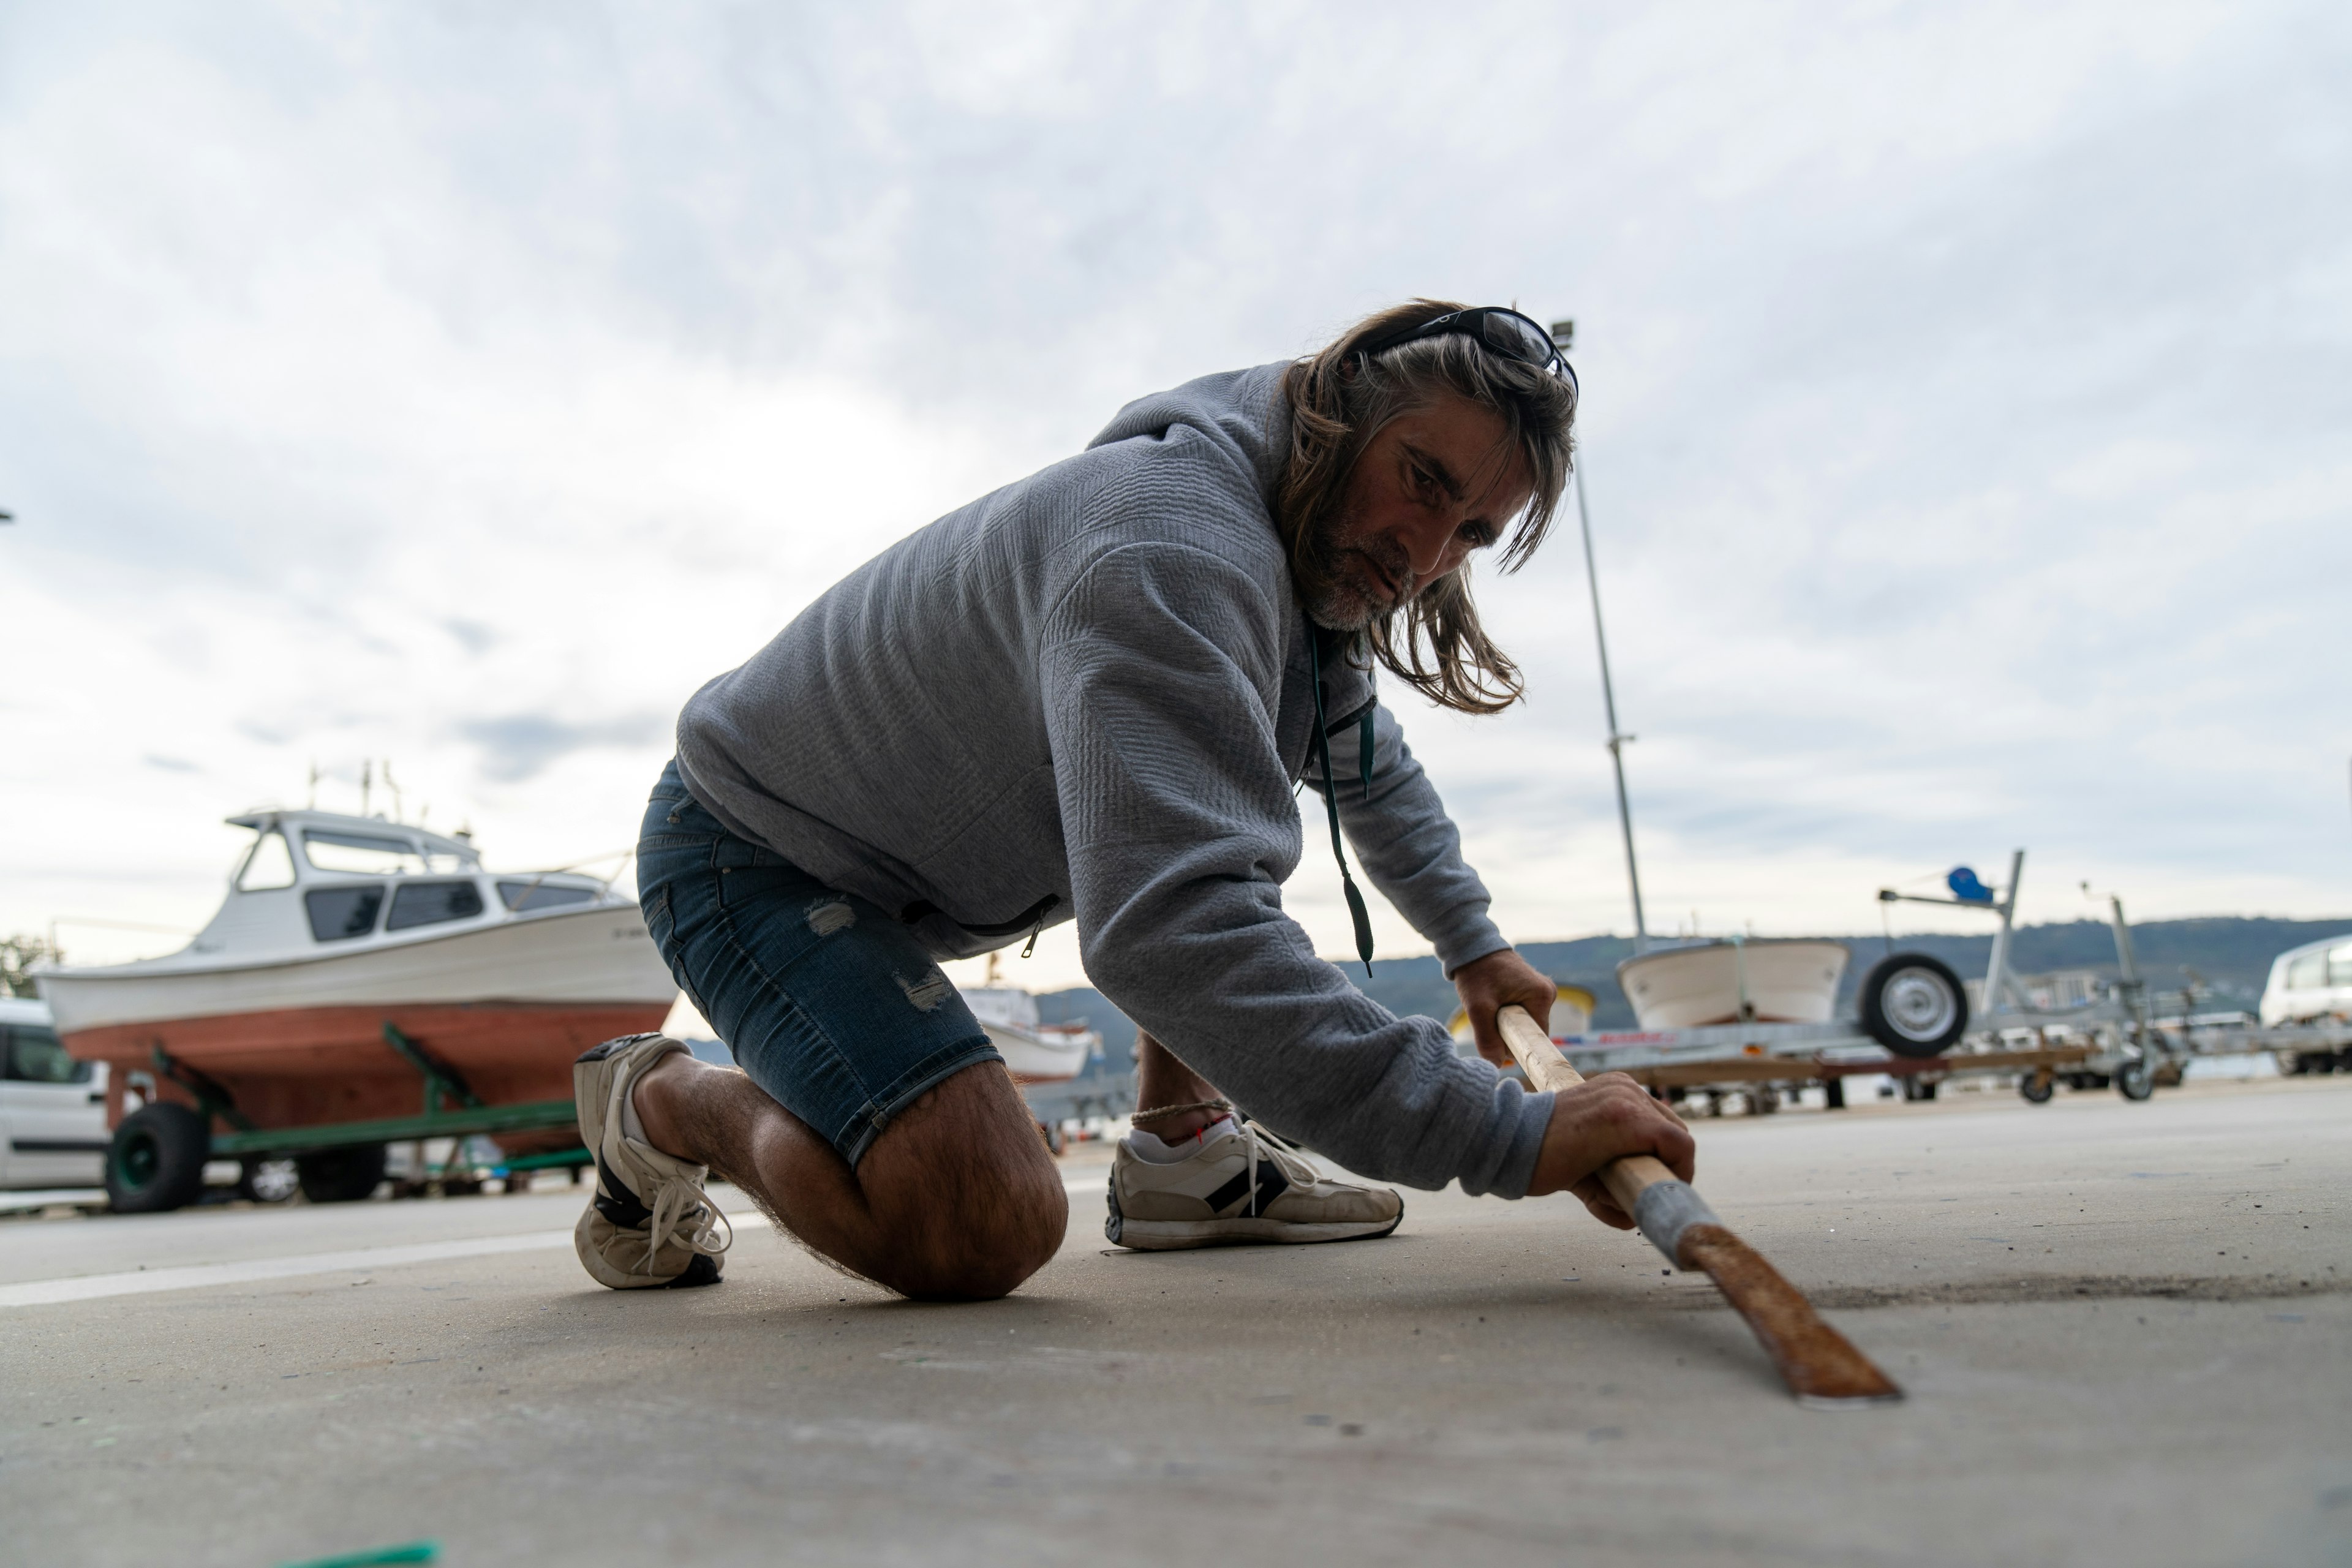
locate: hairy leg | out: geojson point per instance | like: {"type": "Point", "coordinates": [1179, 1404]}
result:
{"type": "Point", "coordinates": [957, 1200]}
{"type": "Point", "coordinates": [1161, 1080]}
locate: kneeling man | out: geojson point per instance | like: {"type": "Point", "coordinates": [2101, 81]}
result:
{"type": "Point", "coordinates": [1093, 696]}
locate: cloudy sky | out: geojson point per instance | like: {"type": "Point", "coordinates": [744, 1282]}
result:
{"type": "Point", "coordinates": [1966, 399]}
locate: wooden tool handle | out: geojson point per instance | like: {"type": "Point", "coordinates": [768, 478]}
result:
{"type": "Point", "coordinates": [1626, 1179]}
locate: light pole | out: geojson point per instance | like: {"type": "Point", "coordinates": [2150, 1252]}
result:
{"type": "Point", "coordinates": [1563, 333]}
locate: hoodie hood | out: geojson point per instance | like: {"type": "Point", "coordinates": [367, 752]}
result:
{"type": "Point", "coordinates": [1242, 411]}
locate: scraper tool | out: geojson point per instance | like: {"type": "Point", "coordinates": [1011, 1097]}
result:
{"type": "Point", "coordinates": [1822, 1368]}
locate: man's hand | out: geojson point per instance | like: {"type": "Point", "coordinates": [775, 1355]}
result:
{"type": "Point", "coordinates": [1600, 1120]}
{"type": "Point", "coordinates": [1499, 980]}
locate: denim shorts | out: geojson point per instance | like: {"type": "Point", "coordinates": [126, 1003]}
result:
{"type": "Point", "coordinates": [830, 1005]}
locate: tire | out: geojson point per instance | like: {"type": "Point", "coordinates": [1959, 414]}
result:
{"type": "Point", "coordinates": [341, 1176]}
{"type": "Point", "coordinates": [2036, 1088]}
{"type": "Point", "coordinates": [1913, 1004]}
{"type": "Point", "coordinates": [267, 1181]}
{"type": "Point", "coordinates": [2136, 1080]}
{"type": "Point", "coordinates": [156, 1160]}
{"type": "Point", "coordinates": [1834, 1094]}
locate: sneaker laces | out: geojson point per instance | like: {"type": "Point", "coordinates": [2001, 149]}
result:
{"type": "Point", "coordinates": [1278, 1152]}
{"type": "Point", "coordinates": [677, 1200]}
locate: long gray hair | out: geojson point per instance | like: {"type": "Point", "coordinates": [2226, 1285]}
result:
{"type": "Point", "coordinates": [1339, 400]}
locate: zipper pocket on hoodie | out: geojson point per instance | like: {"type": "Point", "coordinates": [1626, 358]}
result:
{"type": "Point", "coordinates": [1031, 920]}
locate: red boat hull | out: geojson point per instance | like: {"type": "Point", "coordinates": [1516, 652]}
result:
{"type": "Point", "coordinates": [305, 1067]}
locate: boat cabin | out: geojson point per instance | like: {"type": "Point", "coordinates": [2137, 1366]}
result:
{"type": "Point", "coordinates": [313, 879]}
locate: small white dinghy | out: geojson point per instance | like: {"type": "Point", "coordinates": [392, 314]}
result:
{"type": "Point", "coordinates": [1733, 981]}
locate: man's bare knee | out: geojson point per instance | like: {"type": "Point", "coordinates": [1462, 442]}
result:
{"type": "Point", "coordinates": [965, 1188]}
{"type": "Point", "coordinates": [986, 1245]}
{"type": "Point", "coordinates": [976, 1234]}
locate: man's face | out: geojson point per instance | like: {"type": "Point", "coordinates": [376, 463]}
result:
{"type": "Point", "coordinates": [1435, 485]}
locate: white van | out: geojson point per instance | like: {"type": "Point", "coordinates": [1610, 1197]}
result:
{"type": "Point", "coordinates": [2314, 981]}
{"type": "Point", "coordinates": [52, 1108]}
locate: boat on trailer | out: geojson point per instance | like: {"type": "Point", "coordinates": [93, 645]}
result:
{"type": "Point", "coordinates": [1734, 980]}
{"type": "Point", "coordinates": [355, 961]}
{"type": "Point", "coordinates": [1034, 1052]}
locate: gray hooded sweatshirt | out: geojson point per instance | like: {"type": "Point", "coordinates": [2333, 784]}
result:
{"type": "Point", "coordinates": [1087, 696]}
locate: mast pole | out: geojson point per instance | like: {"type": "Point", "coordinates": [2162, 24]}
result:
{"type": "Point", "coordinates": [1608, 702]}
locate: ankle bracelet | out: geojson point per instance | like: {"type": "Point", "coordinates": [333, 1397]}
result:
{"type": "Point", "coordinates": [1163, 1112]}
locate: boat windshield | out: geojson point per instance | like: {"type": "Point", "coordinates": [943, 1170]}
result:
{"type": "Point", "coordinates": [270, 865]}
{"type": "Point", "coordinates": [360, 853]}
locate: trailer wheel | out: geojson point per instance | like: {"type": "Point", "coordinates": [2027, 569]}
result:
{"type": "Point", "coordinates": [1913, 1004]}
{"type": "Point", "coordinates": [267, 1181]}
{"type": "Point", "coordinates": [156, 1160]}
{"type": "Point", "coordinates": [2037, 1086]}
{"type": "Point", "coordinates": [341, 1176]}
{"type": "Point", "coordinates": [2135, 1079]}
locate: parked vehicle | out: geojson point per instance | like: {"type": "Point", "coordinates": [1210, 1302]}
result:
{"type": "Point", "coordinates": [52, 1108]}
{"type": "Point", "coordinates": [2310, 982]}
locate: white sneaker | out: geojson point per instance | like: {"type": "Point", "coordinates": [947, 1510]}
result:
{"type": "Point", "coordinates": [1244, 1184]}
{"type": "Point", "coordinates": [650, 1223]}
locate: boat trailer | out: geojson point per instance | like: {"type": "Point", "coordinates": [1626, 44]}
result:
{"type": "Point", "coordinates": [157, 1157]}
{"type": "Point", "coordinates": [1914, 1025]}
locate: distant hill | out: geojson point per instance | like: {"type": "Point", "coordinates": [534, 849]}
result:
{"type": "Point", "coordinates": [2231, 957]}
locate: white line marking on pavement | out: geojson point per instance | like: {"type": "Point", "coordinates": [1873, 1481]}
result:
{"type": "Point", "coordinates": [74, 1198]}
{"type": "Point", "coordinates": [91, 1287]}
{"type": "Point", "coordinates": [195, 1276]}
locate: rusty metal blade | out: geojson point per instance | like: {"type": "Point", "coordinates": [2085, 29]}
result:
{"type": "Point", "coordinates": [1820, 1365]}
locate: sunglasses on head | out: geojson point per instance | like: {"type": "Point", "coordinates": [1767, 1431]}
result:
{"type": "Point", "coordinates": [1505, 332]}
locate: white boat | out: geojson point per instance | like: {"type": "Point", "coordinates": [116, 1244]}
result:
{"type": "Point", "coordinates": [1733, 981]}
{"type": "Point", "coordinates": [1033, 1052]}
{"type": "Point", "coordinates": [335, 926]}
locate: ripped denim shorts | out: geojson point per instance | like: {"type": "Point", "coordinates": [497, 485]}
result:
{"type": "Point", "coordinates": [829, 1005]}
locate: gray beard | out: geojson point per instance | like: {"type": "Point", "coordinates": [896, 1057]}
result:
{"type": "Point", "coordinates": [1349, 605]}
{"type": "Point", "coordinates": [1341, 609]}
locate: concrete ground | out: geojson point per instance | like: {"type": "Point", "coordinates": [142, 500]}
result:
{"type": "Point", "coordinates": [2126, 1331]}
